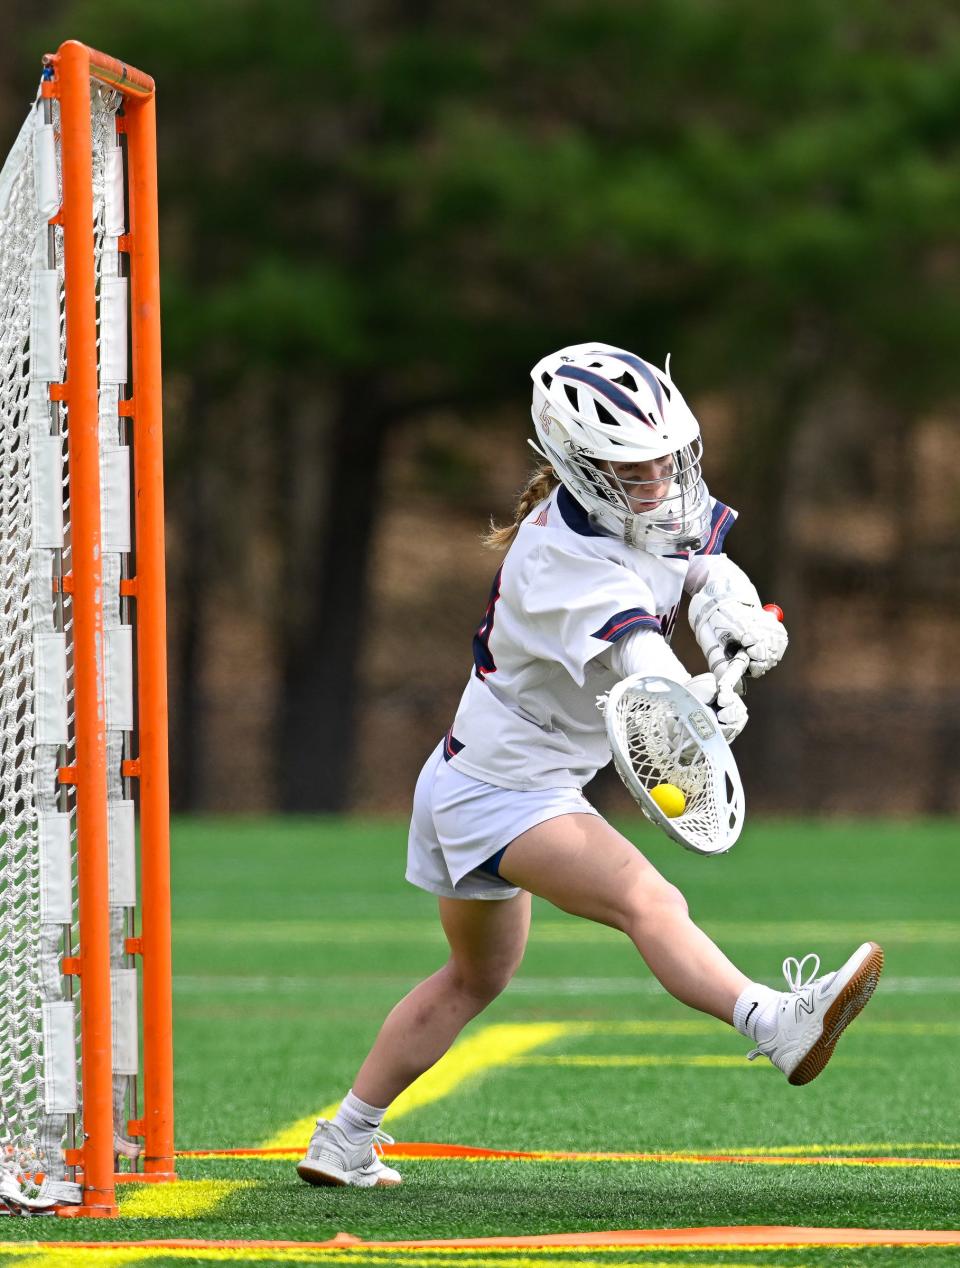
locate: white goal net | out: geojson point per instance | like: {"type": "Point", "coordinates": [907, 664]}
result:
{"type": "Point", "coordinates": [40, 1103]}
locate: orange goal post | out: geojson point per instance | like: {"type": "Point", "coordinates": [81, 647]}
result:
{"type": "Point", "coordinates": [86, 1052]}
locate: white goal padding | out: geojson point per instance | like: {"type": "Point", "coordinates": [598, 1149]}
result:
{"type": "Point", "coordinates": [40, 1109]}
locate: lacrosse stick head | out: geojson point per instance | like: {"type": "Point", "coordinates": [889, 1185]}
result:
{"type": "Point", "coordinates": [660, 733]}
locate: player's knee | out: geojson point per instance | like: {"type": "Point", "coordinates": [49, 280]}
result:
{"type": "Point", "coordinates": [485, 981]}
{"type": "Point", "coordinates": [647, 904]}
{"type": "Point", "coordinates": [674, 898]}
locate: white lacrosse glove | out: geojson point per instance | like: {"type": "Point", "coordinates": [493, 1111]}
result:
{"type": "Point", "coordinates": [724, 624]}
{"type": "Point", "coordinates": [722, 698]}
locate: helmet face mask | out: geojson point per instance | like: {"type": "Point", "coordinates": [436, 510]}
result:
{"type": "Point", "coordinates": [625, 444]}
{"type": "Point", "coordinates": [642, 487]}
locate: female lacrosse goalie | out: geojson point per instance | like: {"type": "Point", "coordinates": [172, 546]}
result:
{"type": "Point", "coordinates": [611, 530]}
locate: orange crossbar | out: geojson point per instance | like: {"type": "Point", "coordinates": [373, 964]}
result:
{"type": "Point", "coordinates": [108, 70]}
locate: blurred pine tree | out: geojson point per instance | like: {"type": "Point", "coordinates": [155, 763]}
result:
{"type": "Point", "coordinates": [373, 208]}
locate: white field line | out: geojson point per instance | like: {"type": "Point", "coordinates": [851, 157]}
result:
{"type": "Point", "coordinates": [649, 986]}
{"type": "Point", "coordinates": [186, 984]}
{"type": "Point", "coordinates": [769, 933]}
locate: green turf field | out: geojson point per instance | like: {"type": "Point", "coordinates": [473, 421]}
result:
{"type": "Point", "coordinates": [292, 940]}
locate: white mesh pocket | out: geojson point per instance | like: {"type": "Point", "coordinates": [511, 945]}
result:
{"type": "Point", "coordinates": [661, 734]}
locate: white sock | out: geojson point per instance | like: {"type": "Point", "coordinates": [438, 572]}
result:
{"type": "Point", "coordinates": [755, 1012]}
{"type": "Point", "coordinates": [358, 1120]}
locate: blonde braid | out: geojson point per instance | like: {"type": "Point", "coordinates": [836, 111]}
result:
{"type": "Point", "coordinates": [543, 479]}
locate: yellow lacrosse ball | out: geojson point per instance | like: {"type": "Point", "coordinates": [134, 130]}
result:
{"type": "Point", "coordinates": [670, 799]}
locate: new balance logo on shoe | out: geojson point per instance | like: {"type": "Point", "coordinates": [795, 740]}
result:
{"type": "Point", "coordinates": [805, 1005]}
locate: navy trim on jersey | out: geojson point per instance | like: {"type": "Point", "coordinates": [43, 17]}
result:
{"type": "Point", "coordinates": [615, 395]}
{"type": "Point", "coordinates": [626, 621]}
{"type": "Point", "coordinates": [721, 522]}
{"type": "Point", "coordinates": [482, 657]}
{"type": "Point", "coordinates": [451, 746]}
{"type": "Point", "coordinates": [574, 516]}
{"type": "Point", "coordinates": [492, 865]}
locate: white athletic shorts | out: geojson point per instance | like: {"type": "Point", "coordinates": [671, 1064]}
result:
{"type": "Point", "coordinates": [460, 823]}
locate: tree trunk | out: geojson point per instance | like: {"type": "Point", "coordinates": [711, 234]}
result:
{"type": "Point", "coordinates": [323, 640]}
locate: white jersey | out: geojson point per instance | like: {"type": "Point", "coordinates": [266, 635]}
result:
{"type": "Point", "coordinates": [563, 597]}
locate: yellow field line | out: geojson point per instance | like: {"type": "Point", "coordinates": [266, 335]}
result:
{"type": "Point", "coordinates": [575, 1248]}
{"type": "Point", "coordinates": [183, 1200]}
{"type": "Point", "coordinates": [69, 1256]}
{"type": "Point", "coordinates": [776, 1155]}
{"type": "Point", "coordinates": [510, 1043]}
{"type": "Point", "coordinates": [492, 1046]}
{"type": "Point", "coordinates": [636, 1059]}
{"type": "Point", "coordinates": [681, 1026]}
{"type": "Point", "coordinates": [495, 1045]}
{"type": "Point", "coordinates": [710, 1026]}
{"type": "Point", "coordinates": [862, 1147]}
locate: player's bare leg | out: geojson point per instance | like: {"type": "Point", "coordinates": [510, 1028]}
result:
{"type": "Point", "coordinates": [583, 865]}
{"type": "Point", "coordinates": [487, 939]}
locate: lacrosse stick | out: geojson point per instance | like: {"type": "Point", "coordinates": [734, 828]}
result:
{"type": "Point", "coordinates": [660, 733]}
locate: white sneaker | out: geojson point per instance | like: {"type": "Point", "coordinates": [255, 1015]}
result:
{"type": "Point", "coordinates": [814, 1013]}
{"type": "Point", "coordinates": [331, 1159]}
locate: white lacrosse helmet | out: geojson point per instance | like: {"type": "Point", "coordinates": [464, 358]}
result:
{"type": "Point", "coordinates": [594, 405]}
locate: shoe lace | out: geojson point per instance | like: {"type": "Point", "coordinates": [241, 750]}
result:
{"type": "Point", "coordinates": [381, 1138]}
{"type": "Point", "coordinates": [793, 971]}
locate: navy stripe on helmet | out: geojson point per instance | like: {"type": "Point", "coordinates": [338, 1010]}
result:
{"type": "Point", "coordinates": [610, 390]}
{"type": "Point", "coordinates": [645, 373]}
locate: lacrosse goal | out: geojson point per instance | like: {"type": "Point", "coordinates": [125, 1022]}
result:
{"type": "Point", "coordinates": [85, 1024]}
